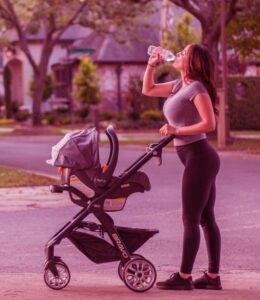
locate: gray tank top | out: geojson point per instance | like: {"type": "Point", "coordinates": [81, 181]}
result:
{"type": "Point", "coordinates": [180, 110]}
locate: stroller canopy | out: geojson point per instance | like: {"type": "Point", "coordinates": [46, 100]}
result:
{"type": "Point", "coordinates": [77, 150]}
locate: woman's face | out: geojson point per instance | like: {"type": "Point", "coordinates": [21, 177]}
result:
{"type": "Point", "coordinates": [180, 59]}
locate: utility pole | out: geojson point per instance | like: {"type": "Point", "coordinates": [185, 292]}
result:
{"type": "Point", "coordinates": [223, 126]}
{"type": "Point", "coordinates": [164, 16]}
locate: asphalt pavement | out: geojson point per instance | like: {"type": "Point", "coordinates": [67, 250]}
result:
{"type": "Point", "coordinates": [30, 216]}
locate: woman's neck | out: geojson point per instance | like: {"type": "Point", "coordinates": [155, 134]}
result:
{"type": "Point", "coordinates": [184, 79]}
{"type": "Point", "coordinates": [184, 83]}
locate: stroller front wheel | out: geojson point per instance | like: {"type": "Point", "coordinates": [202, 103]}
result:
{"type": "Point", "coordinates": [139, 274]}
{"type": "Point", "coordinates": [59, 280]}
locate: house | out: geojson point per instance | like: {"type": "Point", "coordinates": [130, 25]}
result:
{"type": "Point", "coordinates": [21, 70]}
{"type": "Point", "coordinates": [116, 64]}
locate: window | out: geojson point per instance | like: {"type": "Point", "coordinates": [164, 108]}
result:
{"type": "Point", "coordinates": [61, 81]}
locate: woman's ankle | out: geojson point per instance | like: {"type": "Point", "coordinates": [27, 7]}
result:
{"type": "Point", "coordinates": [212, 275]}
{"type": "Point", "coordinates": [184, 275]}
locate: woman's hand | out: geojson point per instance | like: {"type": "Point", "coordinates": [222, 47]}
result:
{"type": "Point", "coordinates": [168, 129]}
{"type": "Point", "coordinates": [155, 58]}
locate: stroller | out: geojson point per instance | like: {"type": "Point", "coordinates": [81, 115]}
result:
{"type": "Point", "coordinates": [98, 192]}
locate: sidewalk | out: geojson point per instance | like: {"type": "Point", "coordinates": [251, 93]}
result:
{"type": "Point", "coordinates": [93, 286]}
{"type": "Point", "coordinates": [23, 198]}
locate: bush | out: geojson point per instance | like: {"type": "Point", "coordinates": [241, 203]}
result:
{"type": "Point", "coordinates": [63, 119]}
{"type": "Point", "coordinates": [86, 88]}
{"type": "Point", "coordinates": [49, 118]}
{"type": "Point", "coordinates": [244, 103]}
{"type": "Point", "coordinates": [153, 115]}
{"type": "Point", "coordinates": [115, 116]}
{"type": "Point", "coordinates": [22, 115]}
{"type": "Point", "coordinates": [82, 112]}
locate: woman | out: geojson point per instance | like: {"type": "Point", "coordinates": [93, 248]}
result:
{"type": "Point", "coordinates": [189, 110]}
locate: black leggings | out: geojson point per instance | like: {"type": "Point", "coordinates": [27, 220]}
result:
{"type": "Point", "coordinates": [198, 198]}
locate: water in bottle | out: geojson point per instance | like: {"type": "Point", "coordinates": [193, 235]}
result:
{"type": "Point", "coordinates": [166, 55]}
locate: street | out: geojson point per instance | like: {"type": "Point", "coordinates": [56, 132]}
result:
{"type": "Point", "coordinates": [237, 213]}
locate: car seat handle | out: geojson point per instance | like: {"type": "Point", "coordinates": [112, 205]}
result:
{"type": "Point", "coordinates": [107, 172]}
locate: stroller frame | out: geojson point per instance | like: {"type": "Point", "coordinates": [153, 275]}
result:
{"type": "Point", "coordinates": [56, 272]}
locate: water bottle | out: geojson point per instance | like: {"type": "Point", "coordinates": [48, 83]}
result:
{"type": "Point", "coordinates": [165, 54]}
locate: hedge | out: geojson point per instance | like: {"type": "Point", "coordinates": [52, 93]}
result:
{"type": "Point", "coordinates": [244, 102]}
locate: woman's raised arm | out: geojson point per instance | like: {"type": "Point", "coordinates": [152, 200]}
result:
{"type": "Point", "coordinates": [150, 88]}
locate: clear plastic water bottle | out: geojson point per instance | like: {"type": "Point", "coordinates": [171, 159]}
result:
{"type": "Point", "coordinates": [165, 54]}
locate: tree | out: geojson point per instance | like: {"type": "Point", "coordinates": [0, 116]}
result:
{"type": "Point", "coordinates": [52, 18]}
{"type": "Point", "coordinates": [135, 97]}
{"type": "Point", "coordinates": [208, 14]}
{"type": "Point", "coordinates": [243, 31]}
{"type": "Point", "coordinates": [85, 84]}
{"type": "Point", "coordinates": [7, 76]}
{"type": "Point", "coordinates": [184, 34]}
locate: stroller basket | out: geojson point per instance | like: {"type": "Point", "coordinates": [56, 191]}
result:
{"type": "Point", "coordinates": [99, 250]}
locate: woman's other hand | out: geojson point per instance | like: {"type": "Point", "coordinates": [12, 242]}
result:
{"type": "Point", "coordinates": [168, 129]}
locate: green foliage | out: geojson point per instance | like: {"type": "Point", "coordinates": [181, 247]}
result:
{"type": "Point", "coordinates": [243, 32]}
{"type": "Point", "coordinates": [244, 104]}
{"type": "Point", "coordinates": [184, 34]}
{"type": "Point", "coordinates": [22, 115]}
{"type": "Point", "coordinates": [109, 115]}
{"type": "Point", "coordinates": [48, 87]}
{"type": "Point", "coordinates": [7, 78]}
{"type": "Point", "coordinates": [135, 97]}
{"type": "Point", "coordinates": [153, 115]}
{"type": "Point", "coordinates": [85, 84]}
{"type": "Point", "coordinates": [166, 69]}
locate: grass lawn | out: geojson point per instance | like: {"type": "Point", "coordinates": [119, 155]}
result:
{"type": "Point", "coordinates": [251, 146]}
{"type": "Point", "coordinates": [10, 177]}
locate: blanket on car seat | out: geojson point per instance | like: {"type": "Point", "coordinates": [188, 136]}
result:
{"type": "Point", "coordinates": [77, 150]}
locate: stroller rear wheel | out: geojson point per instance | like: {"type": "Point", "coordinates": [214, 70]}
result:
{"type": "Point", "coordinates": [121, 266]}
{"type": "Point", "coordinates": [61, 279]}
{"type": "Point", "coordinates": [139, 274]}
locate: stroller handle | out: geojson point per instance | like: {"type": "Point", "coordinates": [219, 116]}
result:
{"type": "Point", "coordinates": [104, 177]}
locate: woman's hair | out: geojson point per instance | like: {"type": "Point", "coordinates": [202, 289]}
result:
{"type": "Point", "coordinates": [200, 66]}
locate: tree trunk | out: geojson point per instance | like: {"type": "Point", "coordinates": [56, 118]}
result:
{"type": "Point", "coordinates": [210, 38]}
{"type": "Point", "coordinates": [39, 78]}
{"type": "Point", "coordinates": [37, 98]}
{"type": "Point", "coordinates": [7, 92]}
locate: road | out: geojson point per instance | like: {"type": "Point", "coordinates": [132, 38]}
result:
{"type": "Point", "coordinates": [237, 211]}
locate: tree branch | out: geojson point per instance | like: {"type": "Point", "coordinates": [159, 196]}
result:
{"type": "Point", "coordinates": [5, 14]}
{"type": "Point", "coordinates": [69, 23]}
{"type": "Point", "coordinates": [232, 10]}
{"type": "Point", "coordinates": [21, 34]}
{"type": "Point", "coordinates": [187, 5]}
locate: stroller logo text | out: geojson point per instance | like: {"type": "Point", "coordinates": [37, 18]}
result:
{"type": "Point", "coordinates": [120, 245]}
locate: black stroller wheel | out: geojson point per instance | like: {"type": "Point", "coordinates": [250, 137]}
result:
{"type": "Point", "coordinates": [121, 266]}
{"type": "Point", "coordinates": [61, 280]}
{"type": "Point", "coordinates": [139, 274]}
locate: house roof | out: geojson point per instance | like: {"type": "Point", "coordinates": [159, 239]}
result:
{"type": "Point", "coordinates": [108, 50]}
{"type": "Point", "coordinates": [72, 33]}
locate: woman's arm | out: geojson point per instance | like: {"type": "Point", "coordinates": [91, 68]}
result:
{"type": "Point", "coordinates": [208, 122]}
{"type": "Point", "coordinates": [149, 86]}
{"type": "Point", "coordinates": [152, 89]}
